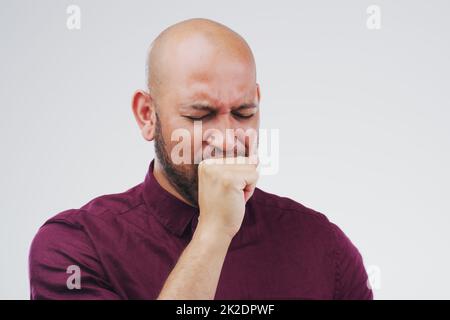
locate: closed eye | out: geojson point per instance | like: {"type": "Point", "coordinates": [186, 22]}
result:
{"type": "Point", "coordinates": [237, 115]}
{"type": "Point", "coordinates": [197, 118]}
{"type": "Point", "coordinates": [243, 116]}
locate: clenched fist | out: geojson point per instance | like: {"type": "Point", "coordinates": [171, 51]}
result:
{"type": "Point", "coordinates": [225, 185]}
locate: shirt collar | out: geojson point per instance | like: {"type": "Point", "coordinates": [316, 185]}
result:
{"type": "Point", "coordinates": [170, 211]}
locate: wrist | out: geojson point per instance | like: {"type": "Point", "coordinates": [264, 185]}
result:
{"type": "Point", "coordinates": [209, 233]}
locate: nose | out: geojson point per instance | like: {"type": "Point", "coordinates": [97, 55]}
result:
{"type": "Point", "coordinates": [223, 139]}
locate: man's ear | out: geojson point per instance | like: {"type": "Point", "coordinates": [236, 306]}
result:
{"type": "Point", "coordinates": [144, 113]}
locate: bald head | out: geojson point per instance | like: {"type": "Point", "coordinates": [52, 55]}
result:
{"type": "Point", "coordinates": [195, 47]}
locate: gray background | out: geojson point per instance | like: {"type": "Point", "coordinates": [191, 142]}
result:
{"type": "Point", "coordinates": [363, 118]}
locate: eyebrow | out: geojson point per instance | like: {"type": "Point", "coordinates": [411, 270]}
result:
{"type": "Point", "coordinates": [199, 106]}
{"type": "Point", "coordinates": [207, 107]}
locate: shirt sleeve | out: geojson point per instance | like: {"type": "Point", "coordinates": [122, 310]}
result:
{"type": "Point", "coordinates": [59, 253]}
{"type": "Point", "coordinates": [351, 276]}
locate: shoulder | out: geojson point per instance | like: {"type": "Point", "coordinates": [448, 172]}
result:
{"type": "Point", "coordinates": [76, 237]}
{"type": "Point", "coordinates": [74, 231]}
{"type": "Point", "coordinates": [106, 207]}
{"type": "Point", "coordinates": [58, 238]}
{"type": "Point", "coordinates": [284, 209]}
{"type": "Point", "coordinates": [60, 251]}
{"type": "Point", "coordinates": [285, 212]}
{"type": "Point", "coordinates": [308, 230]}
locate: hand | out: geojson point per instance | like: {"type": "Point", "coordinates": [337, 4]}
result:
{"type": "Point", "coordinates": [225, 185]}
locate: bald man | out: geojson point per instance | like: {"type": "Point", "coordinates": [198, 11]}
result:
{"type": "Point", "coordinates": [197, 227]}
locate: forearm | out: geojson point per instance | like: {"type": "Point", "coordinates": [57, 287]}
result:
{"type": "Point", "coordinates": [197, 272]}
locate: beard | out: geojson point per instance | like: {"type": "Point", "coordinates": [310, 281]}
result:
{"type": "Point", "coordinates": [184, 178]}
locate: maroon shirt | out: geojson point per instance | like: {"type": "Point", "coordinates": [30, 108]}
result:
{"type": "Point", "coordinates": [126, 244]}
